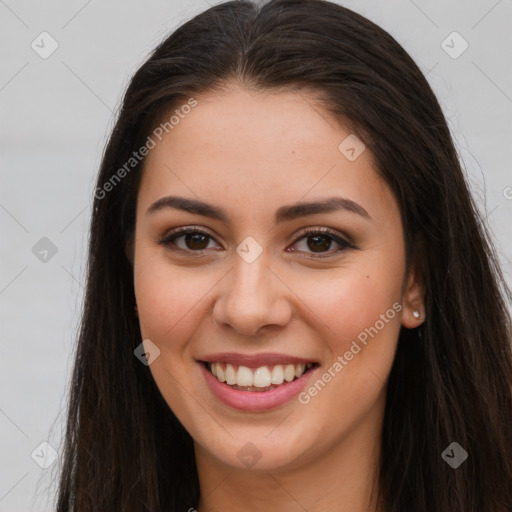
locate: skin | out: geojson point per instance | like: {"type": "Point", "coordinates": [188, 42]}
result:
{"type": "Point", "coordinates": [249, 154]}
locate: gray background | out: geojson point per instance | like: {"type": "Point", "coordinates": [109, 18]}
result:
{"type": "Point", "coordinates": [55, 116]}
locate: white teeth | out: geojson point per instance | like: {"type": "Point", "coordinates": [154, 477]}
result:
{"type": "Point", "coordinates": [220, 373]}
{"type": "Point", "coordinates": [261, 377]}
{"type": "Point", "coordinates": [289, 372]}
{"type": "Point", "coordinates": [277, 374]}
{"type": "Point", "coordinates": [244, 377]}
{"type": "Point", "coordinates": [230, 375]}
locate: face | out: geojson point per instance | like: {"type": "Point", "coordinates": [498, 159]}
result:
{"type": "Point", "coordinates": [301, 305]}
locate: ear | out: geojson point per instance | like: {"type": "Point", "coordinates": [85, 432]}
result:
{"type": "Point", "coordinates": [413, 297]}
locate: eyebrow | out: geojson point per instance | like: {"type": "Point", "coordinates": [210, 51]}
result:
{"type": "Point", "coordinates": [283, 214]}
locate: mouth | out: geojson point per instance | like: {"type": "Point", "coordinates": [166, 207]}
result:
{"type": "Point", "coordinates": [257, 379]}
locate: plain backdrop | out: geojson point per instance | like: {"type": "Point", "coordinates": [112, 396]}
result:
{"type": "Point", "coordinates": [56, 113]}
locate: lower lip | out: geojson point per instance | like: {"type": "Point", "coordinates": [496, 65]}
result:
{"type": "Point", "coordinates": [255, 400]}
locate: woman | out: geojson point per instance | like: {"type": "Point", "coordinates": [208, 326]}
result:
{"type": "Point", "coordinates": [292, 302]}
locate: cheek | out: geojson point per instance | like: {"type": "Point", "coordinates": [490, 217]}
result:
{"type": "Point", "coordinates": [346, 305]}
{"type": "Point", "coordinates": [359, 327]}
{"type": "Point", "coordinates": [358, 320]}
{"type": "Point", "coordinates": [171, 300]}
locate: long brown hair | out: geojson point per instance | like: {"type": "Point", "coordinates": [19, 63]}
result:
{"type": "Point", "coordinates": [452, 377]}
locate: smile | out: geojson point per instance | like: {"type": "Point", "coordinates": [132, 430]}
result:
{"type": "Point", "coordinates": [263, 378]}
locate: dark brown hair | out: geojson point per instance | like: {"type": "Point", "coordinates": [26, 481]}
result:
{"type": "Point", "coordinates": [452, 377]}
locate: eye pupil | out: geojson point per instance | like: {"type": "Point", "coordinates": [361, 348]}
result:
{"type": "Point", "coordinates": [196, 241]}
{"type": "Point", "coordinates": [192, 239]}
{"type": "Point", "coordinates": [318, 242]}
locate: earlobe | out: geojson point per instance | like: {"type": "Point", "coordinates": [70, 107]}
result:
{"type": "Point", "coordinates": [413, 300]}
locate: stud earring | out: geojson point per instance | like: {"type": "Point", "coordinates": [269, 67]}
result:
{"type": "Point", "coordinates": [416, 314]}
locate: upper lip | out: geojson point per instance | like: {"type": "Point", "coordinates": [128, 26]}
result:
{"type": "Point", "coordinates": [254, 360]}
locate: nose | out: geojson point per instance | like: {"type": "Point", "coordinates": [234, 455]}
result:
{"type": "Point", "coordinates": [252, 299]}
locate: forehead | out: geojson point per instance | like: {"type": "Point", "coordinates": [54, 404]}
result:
{"type": "Point", "coordinates": [252, 150]}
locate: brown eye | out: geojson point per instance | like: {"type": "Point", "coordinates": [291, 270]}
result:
{"type": "Point", "coordinates": [196, 241]}
{"type": "Point", "coordinates": [319, 243]}
{"type": "Point", "coordinates": [192, 240]}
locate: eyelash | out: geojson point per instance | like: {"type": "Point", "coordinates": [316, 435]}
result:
{"type": "Point", "coordinates": [304, 234]}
